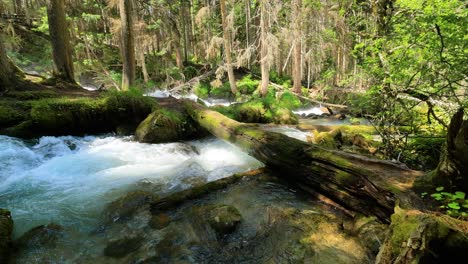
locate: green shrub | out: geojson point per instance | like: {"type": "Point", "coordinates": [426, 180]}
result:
{"type": "Point", "coordinates": [190, 72]}
{"type": "Point", "coordinates": [202, 90]}
{"type": "Point", "coordinates": [224, 91]}
{"type": "Point", "coordinates": [246, 85]}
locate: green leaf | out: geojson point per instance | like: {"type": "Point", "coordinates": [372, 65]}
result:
{"type": "Point", "coordinates": [454, 205]}
{"type": "Point", "coordinates": [440, 188]}
{"type": "Point", "coordinates": [437, 196]}
{"type": "Point", "coordinates": [459, 195]}
{"type": "Point", "coordinates": [465, 205]}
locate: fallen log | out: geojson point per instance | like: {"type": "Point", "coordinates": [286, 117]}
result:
{"type": "Point", "coordinates": [191, 83]}
{"type": "Point", "coordinates": [363, 185]}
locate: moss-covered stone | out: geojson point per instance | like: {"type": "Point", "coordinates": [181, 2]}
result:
{"type": "Point", "coordinates": [43, 235]}
{"type": "Point", "coordinates": [164, 126]}
{"type": "Point", "coordinates": [120, 248]}
{"type": "Point", "coordinates": [224, 219]}
{"type": "Point", "coordinates": [124, 207]}
{"type": "Point", "coordinates": [6, 229]}
{"type": "Point", "coordinates": [332, 139]}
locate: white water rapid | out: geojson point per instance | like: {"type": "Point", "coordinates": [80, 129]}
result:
{"type": "Point", "coordinates": [68, 180]}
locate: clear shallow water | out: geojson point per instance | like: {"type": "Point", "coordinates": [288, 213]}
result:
{"type": "Point", "coordinates": [68, 180]}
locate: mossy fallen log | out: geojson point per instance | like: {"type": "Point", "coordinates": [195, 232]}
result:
{"type": "Point", "coordinates": [358, 183]}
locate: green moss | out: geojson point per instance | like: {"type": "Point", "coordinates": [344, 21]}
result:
{"type": "Point", "coordinates": [163, 126]}
{"type": "Point", "coordinates": [288, 100]}
{"type": "Point", "coordinates": [77, 116]}
{"type": "Point", "coordinates": [202, 90]}
{"type": "Point", "coordinates": [224, 91]}
{"type": "Point", "coordinates": [247, 85]}
{"type": "Point", "coordinates": [32, 95]}
{"type": "Point", "coordinates": [10, 115]}
{"type": "Point", "coordinates": [403, 226]}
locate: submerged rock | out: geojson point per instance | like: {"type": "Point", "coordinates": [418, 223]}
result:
{"type": "Point", "coordinates": [124, 207]}
{"type": "Point", "coordinates": [159, 221]}
{"type": "Point", "coordinates": [224, 219]}
{"type": "Point", "coordinates": [43, 235]}
{"type": "Point", "coordinates": [119, 248]}
{"type": "Point", "coordinates": [6, 229]}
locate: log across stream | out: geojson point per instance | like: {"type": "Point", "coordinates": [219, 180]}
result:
{"type": "Point", "coordinates": [357, 183]}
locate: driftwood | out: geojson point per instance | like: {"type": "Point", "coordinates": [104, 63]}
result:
{"type": "Point", "coordinates": [191, 83]}
{"type": "Point", "coordinates": [279, 87]}
{"type": "Point", "coordinates": [360, 184]}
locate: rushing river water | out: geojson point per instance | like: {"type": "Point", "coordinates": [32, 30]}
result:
{"type": "Point", "coordinates": [67, 180]}
{"type": "Point", "coordinates": [70, 181]}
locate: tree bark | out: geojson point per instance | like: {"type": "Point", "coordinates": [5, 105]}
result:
{"type": "Point", "coordinates": [128, 44]}
{"type": "Point", "coordinates": [227, 47]}
{"type": "Point", "coordinates": [60, 39]}
{"type": "Point", "coordinates": [358, 183]}
{"type": "Point", "coordinates": [297, 62]}
{"type": "Point", "coordinates": [264, 61]}
{"type": "Point", "coordinates": [452, 170]}
{"type": "Point", "coordinates": [6, 71]}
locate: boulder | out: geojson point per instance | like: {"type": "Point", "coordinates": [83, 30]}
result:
{"type": "Point", "coordinates": [39, 236]}
{"type": "Point", "coordinates": [163, 126]}
{"type": "Point", "coordinates": [340, 116]}
{"type": "Point", "coordinates": [119, 248]}
{"type": "Point", "coordinates": [6, 229]}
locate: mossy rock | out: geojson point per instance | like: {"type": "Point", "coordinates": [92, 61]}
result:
{"type": "Point", "coordinates": [125, 207]}
{"type": "Point", "coordinates": [285, 116]}
{"type": "Point", "coordinates": [332, 139]}
{"type": "Point", "coordinates": [417, 237]}
{"type": "Point", "coordinates": [119, 248]}
{"type": "Point", "coordinates": [6, 229]}
{"type": "Point", "coordinates": [39, 236]}
{"type": "Point", "coordinates": [163, 126]}
{"type": "Point", "coordinates": [223, 219]}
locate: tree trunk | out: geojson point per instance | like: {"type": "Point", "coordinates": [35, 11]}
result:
{"type": "Point", "coordinates": [357, 183]}
{"type": "Point", "coordinates": [247, 30]}
{"type": "Point", "coordinates": [452, 171]}
{"type": "Point", "coordinates": [128, 44]}
{"type": "Point", "coordinates": [60, 38]}
{"type": "Point", "coordinates": [227, 47]}
{"type": "Point", "coordinates": [143, 66]}
{"type": "Point", "coordinates": [297, 62]}
{"type": "Point", "coordinates": [264, 61]}
{"type": "Point", "coordinates": [19, 7]}
{"type": "Point", "coordinates": [6, 71]}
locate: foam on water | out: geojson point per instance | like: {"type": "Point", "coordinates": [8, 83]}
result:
{"type": "Point", "coordinates": [68, 180]}
{"type": "Point", "coordinates": [316, 110]}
